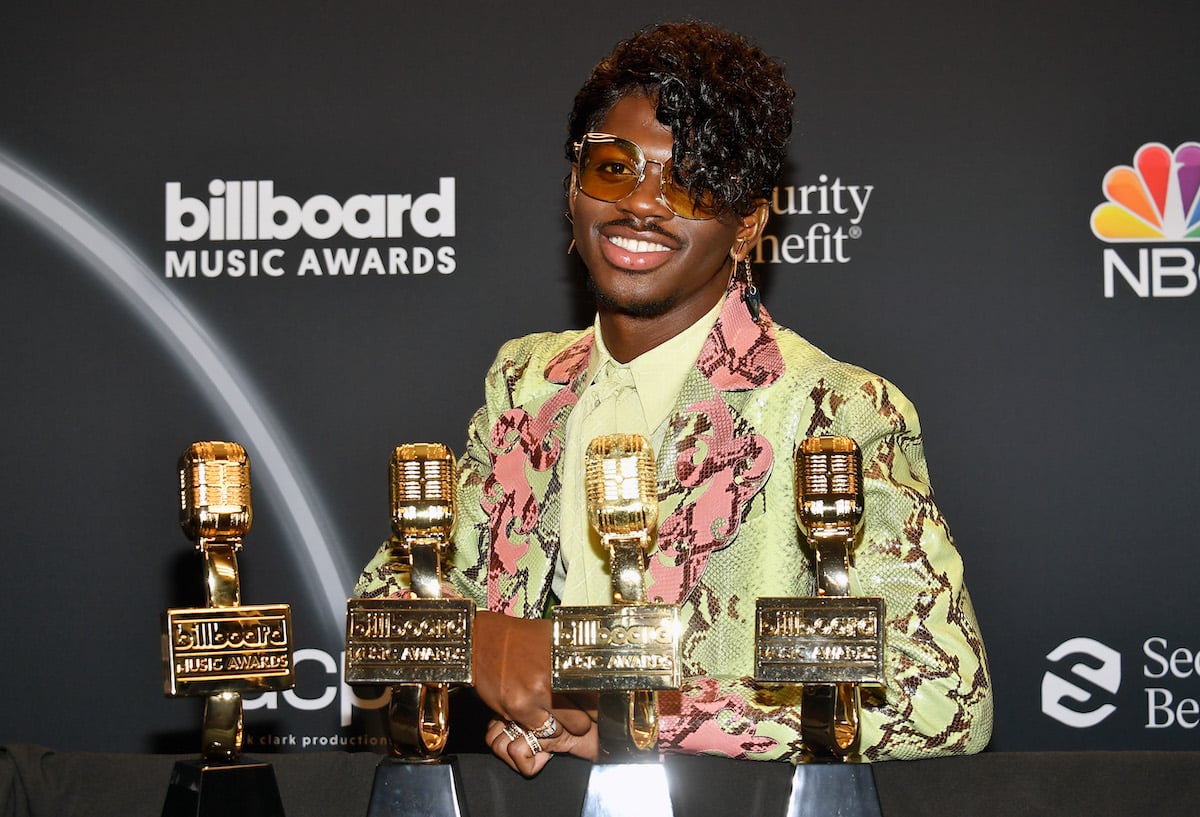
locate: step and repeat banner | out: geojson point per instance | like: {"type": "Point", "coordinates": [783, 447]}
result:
{"type": "Point", "coordinates": [308, 227]}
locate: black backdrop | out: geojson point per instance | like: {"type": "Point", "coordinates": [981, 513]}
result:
{"type": "Point", "coordinates": [1059, 421]}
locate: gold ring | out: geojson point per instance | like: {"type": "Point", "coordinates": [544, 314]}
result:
{"type": "Point", "coordinates": [532, 740]}
{"type": "Point", "coordinates": [548, 729]}
{"type": "Point", "coordinates": [513, 730]}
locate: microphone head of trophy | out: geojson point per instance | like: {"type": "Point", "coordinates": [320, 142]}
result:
{"type": "Point", "coordinates": [214, 491]}
{"type": "Point", "coordinates": [622, 498]}
{"type": "Point", "coordinates": [829, 492]}
{"type": "Point", "coordinates": [421, 483]}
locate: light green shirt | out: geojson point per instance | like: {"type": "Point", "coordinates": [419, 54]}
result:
{"type": "Point", "coordinates": [628, 398]}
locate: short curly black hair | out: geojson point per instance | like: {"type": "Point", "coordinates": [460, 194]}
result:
{"type": "Point", "coordinates": [725, 101]}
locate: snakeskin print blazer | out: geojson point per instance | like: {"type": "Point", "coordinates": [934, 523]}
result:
{"type": "Point", "coordinates": [727, 534]}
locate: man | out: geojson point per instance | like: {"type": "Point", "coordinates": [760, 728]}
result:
{"type": "Point", "coordinates": [676, 141]}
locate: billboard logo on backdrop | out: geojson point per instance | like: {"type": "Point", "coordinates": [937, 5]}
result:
{"type": "Point", "coordinates": [1154, 202]}
{"type": "Point", "coordinates": [240, 224]}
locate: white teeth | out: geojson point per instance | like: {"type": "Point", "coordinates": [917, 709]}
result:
{"type": "Point", "coordinates": [637, 246]}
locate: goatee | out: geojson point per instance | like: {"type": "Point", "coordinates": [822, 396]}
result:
{"type": "Point", "coordinates": [649, 309]}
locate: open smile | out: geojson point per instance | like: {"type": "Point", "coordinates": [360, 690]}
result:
{"type": "Point", "coordinates": [637, 253]}
{"type": "Point", "coordinates": [636, 246]}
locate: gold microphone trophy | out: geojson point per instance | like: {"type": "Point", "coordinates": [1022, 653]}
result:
{"type": "Point", "coordinates": [223, 650]}
{"type": "Point", "coordinates": [832, 642]}
{"type": "Point", "coordinates": [418, 646]}
{"type": "Point", "coordinates": [627, 650]}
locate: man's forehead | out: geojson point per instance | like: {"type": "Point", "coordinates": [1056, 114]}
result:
{"type": "Point", "coordinates": [633, 117]}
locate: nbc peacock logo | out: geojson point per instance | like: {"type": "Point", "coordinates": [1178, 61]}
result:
{"type": "Point", "coordinates": [1153, 202]}
{"type": "Point", "coordinates": [1155, 199]}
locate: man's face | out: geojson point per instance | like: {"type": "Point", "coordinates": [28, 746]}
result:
{"type": "Point", "coordinates": [642, 259]}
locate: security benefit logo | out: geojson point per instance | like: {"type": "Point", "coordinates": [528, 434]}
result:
{"type": "Point", "coordinates": [1093, 677]}
{"type": "Point", "coordinates": [246, 229]}
{"type": "Point", "coordinates": [1153, 211]}
{"type": "Point", "coordinates": [1080, 689]}
{"type": "Point", "coordinates": [828, 217]}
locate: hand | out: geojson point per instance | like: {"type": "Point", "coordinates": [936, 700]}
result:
{"type": "Point", "coordinates": [512, 676]}
{"type": "Point", "coordinates": [528, 754]}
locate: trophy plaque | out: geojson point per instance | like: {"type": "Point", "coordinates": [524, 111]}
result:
{"type": "Point", "coordinates": [830, 643]}
{"type": "Point", "coordinates": [628, 650]}
{"type": "Point", "coordinates": [419, 646]}
{"type": "Point", "coordinates": [225, 649]}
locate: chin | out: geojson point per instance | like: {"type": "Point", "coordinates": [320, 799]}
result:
{"type": "Point", "coordinates": [633, 309]}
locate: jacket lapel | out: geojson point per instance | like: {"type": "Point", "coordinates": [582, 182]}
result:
{"type": "Point", "coordinates": [712, 462]}
{"type": "Point", "coordinates": [523, 493]}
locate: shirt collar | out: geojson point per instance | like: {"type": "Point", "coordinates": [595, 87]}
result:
{"type": "Point", "coordinates": [658, 373]}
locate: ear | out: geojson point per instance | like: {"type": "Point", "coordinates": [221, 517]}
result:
{"type": "Point", "coordinates": [572, 192]}
{"type": "Point", "coordinates": [750, 229]}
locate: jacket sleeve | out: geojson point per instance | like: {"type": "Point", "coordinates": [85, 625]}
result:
{"type": "Point", "coordinates": [937, 697]}
{"type": "Point", "coordinates": [469, 565]}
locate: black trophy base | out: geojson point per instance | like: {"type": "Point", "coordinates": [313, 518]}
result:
{"type": "Point", "coordinates": [628, 790]}
{"type": "Point", "coordinates": [833, 790]}
{"type": "Point", "coordinates": [202, 789]}
{"type": "Point", "coordinates": [417, 788]}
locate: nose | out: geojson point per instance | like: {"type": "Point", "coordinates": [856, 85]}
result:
{"type": "Point", "coordinates": [647, 198]}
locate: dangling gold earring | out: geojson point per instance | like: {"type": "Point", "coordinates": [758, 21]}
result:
{"type": "Point", "coordinates": [751, 296]}
{"type": "Point", "coordinates": [571, 246]}
{"type": "Point", "coordinates": [734, 252]}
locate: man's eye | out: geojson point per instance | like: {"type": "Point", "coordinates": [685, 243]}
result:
{"type": "Point", "coordinates": [616, 169]}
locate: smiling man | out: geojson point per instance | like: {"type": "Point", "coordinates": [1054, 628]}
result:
{"type": "Point", "coordinates": [676, 141]}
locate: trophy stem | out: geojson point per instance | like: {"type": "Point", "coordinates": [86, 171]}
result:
{"type": "Point", "coordinates": [628, 561]}
{"type": "Point", "coordinates": [628, 726]}
{"type": "Point", "coordinates": [418, 716]}
{"type": "Point", "coordinates": [829, 721]}
{"type": "Point", "coordinates": [221, 737]}
{"type": "Point", "coordinates": [221, 583]}
{"type": "Point", "coordinates": [832, 557]}
{"type": "Point", "coordinates": [222, 734]}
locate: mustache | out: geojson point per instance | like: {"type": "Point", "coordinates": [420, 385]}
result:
{"type": "Point", "coordinates": [645, 226]}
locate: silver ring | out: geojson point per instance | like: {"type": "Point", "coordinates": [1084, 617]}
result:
{"type": "Point", "coordinates": [548, 729]}
{"type": "Point", "coordinates": [532, 740]}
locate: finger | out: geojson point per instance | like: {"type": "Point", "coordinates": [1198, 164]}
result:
{"type": "Point", "coordinates": [548, 728]}
{"type": "Point", "coordinates": [585, 746]}
{"type": "Point", "coordinates": [589, 702]}
{"type": "Point", "coordinates": [498, 740]}
{"type": "Point", "coordinates": [539, 762]}
{"type": "Point", "coordinates": [574, 720]}
{"type": "Point", "coordinates": [554, 722]}
{"type": "Point", "coordinates": [588, 746]}
{"type": "Point", "coordinates": [524, 752]}
{"type": "Point", "coordinates": [495, 728]}
{"type": "Point", "coordinates": [572, 712]}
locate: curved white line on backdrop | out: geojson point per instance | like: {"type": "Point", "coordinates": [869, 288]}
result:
{"type": "Point", "coordinates": [227, 389]}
